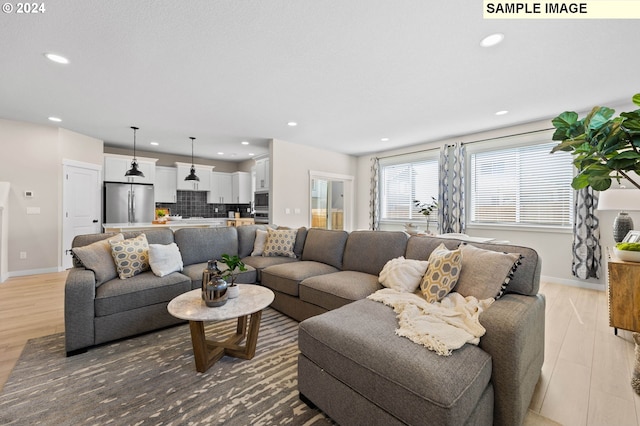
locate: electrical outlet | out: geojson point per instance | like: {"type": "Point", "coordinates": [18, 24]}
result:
{"type": "Point", "coordinates": [248, 209]}
{"type": "Point", "coordinates": [215, 210]}
{"type": "Point", "coordinates": [23, 255]}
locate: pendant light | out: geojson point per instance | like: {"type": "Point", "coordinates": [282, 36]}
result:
{"type": "Point", "coordinates": [192, 174]}
{"type": "Point", "coordinates": [134, 164]}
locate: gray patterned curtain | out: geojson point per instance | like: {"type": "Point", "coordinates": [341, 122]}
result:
{"type": "Point", "coordinates": [374, 209]}
{"type": "Point", "coordinates": [451, 210]}
{"type": "Point", "coordinates": [586, 235]}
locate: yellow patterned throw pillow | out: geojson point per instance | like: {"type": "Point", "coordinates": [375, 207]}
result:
{"type": "Point", "coordinates": [442, 273]}
{"type": "Point", "coordinates": [131, 256]}
{"type": "Point", "coordinates": [280, 242]}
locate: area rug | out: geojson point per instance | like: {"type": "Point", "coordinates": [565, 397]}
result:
{"type": "Point", "coordinates": [151, 380]}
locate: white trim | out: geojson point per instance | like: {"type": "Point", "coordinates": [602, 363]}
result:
{"type": "Point", "coordinates": [81, 164]}
{"type": "Point", "coordinates": [573, 283]}
{"type": "Point", "coordinates": [34, 271]}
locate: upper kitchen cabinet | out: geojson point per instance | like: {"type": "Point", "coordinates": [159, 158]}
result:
{"type": "Point", "coordinates": [221, 191]}
{"type": "Point", "coordinates": [115, 167]}
{"type": "Point", "coordinates": [166, 184]}
{"type": "Point", "coordinates": [241, 186]}
{"type": "Point", "coordinates": [262, 174]}
{"type": "Point", "coordinates": [203, 172]}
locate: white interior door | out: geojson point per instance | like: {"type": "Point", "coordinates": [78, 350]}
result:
{"type": "Point", "coordinates": [81, 204]}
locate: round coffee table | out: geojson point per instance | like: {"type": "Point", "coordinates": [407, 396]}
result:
{"type": "Point", "coordinates": [247, 308]}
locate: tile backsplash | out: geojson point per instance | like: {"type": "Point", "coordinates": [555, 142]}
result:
{"type": "Point", "coordinates": [194, 204]}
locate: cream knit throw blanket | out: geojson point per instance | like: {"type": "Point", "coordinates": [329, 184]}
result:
{"type": "Point", "coordinates": [442, 326]}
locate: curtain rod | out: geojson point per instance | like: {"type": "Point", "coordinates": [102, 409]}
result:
{"type": "Point", "coordinates": [471, 142]}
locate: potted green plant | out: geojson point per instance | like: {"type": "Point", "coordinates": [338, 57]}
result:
{"type": "Point", "coordinates": [234, 266]}
{"type": "Point", "coordinates": [161, 215]}
{"type": "Point", "coordinates": [426, 209]}
{"type": "Point", "coordinates": [604, 147]}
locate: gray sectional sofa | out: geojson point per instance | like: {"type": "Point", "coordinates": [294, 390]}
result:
{"type": "Point", "coordinates": [351, 363]}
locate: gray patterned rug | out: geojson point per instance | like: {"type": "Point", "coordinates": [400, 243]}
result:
{"type": "Point", "coordinates": [152, 380]}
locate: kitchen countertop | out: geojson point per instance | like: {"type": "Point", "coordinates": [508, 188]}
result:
{"type": "Point", "coordinates": [172, 224]}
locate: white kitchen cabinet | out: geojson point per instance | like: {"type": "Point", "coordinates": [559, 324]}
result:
{"type": "Point", "coordinates": [221, 191]}
{"type": "Point", "coordinates": [241, 187]}
{"type": "Point", "coordinates": [203, 172]}
{"type": "Point", "coordinates": [166, 185]}
{"type": "Point", "coordinates": [115, 167]}
{"type": "Point", "coordinates": [262, 174]}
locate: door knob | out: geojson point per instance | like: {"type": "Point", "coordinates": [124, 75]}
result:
{"type": "Point", "coordinates": [95, 220]}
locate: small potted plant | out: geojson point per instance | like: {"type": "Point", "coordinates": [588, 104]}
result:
{"type": "Point", "coordinates": [426, 209]}
{"type": "Point", "coordinates": [161, 215]}
{"type": "Point", "coordinates": [234, 267]}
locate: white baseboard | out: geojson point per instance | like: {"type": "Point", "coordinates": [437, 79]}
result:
{"type": "Point", "coordinates": [33, 272]}
{"type": "Point", "coordinates": [574, 283]}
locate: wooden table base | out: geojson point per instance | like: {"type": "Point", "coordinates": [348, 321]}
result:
{"type": "Point", "coordinates": [208, 352]}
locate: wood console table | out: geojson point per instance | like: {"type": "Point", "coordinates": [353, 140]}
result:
{"type": "Point", "coordinates": [623, 291]}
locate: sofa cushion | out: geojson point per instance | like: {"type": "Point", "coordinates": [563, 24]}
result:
{"type": "Point", "coordinates": [131, 256]}
{"type": "Point", "coordinates": [358, 346]}
{"type": "Point", "coordinates": [139, 291]}
{"type": "Point", "coordinates": [199, 245]}
{"type": "Point", "coordinates": [286, 277]}
{"type": "Point", "coordinates": [526, 279]}
{"type": "Point", "coordinates": [154, 236]}
{"type": "Point", "coordinates": [259, 243]}
{"type": "Point", "coordinates": [260, 262]}
{"type": "Point", "coordinates": [442, 273]}
{"type": "Point", "coordinates": [246, 238]}
{"type": "Point", "coordinates": [369, 251]}
{"type": "Point", "coordinates": [403, 274]}
{"type": "Point", "coordinates": [485, 273]}
{"type": "Point", "coordinates": [165, 259]}
{"type": "Point", "coordinates": [97, 257]}
{"type": "Point", "coordinates": [325, 246]}
{"type": "Point", "coordinates": [280, 242]}
{"type": "Point", "coordinates": [331, 291]}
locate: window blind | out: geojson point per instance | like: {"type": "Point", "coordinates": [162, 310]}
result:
{"type": "Point", "coordinates": [402, 183]}
{"type": "Point", "coordinates": [521, 185]}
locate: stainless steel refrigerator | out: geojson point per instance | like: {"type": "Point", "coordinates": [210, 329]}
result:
{"type": "Point", "coordinates": [128, 203]}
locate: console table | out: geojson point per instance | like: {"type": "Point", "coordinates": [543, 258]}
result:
{"type": "Point", "coordinates": [623, 292]}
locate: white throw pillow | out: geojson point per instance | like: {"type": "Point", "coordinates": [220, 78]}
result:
{"type": "Point", "coordinates": [165, 259]}
{"type": "Point", "coordinates": [261, 240]}
{"type": "Point", "coordinates": [403, 275]}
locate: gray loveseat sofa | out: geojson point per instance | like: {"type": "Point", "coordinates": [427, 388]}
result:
{"type": "Point", "coordinates": [351, 363]}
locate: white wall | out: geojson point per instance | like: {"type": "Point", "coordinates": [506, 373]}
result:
{"type": "Point", "coordinates": [31, 160]}
{"type": "Point", "coordinates": [290, 166]}
{"type": "Point", "coordinates": [554, 247]}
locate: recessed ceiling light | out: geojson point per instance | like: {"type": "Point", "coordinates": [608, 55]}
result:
{"type": "Point", "coordinates": [503, 112]}
{"type": "Point", "coordinates": [220, 153]}
{"type": "Point", "coordinates": [384, 140]}
{"type": "Point", "coordinates": [56, 58]}
{"type": "Point", "coordinates": [154, 143]}
{"type": "Point", "coordinates": [492, 40]}
{"type": "Point", "coordinates": [251, 154]}
{"type": "Point", "coordinates": [56, 119]}
{"type": "Point", "coordinates": [244, 143]}
{"type": "Point", "coordinates": [292, 124]}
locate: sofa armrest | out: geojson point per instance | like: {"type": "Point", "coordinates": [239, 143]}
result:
{"type": "Point", "coordinates": [79, 313]}
{"type": "Point", "coordinates": [515, 340]}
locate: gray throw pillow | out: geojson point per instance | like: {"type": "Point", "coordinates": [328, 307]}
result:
{"type": "Point", "coordinates": [485, 273]}
{"type": "Point", "coordinates": [97, 258]}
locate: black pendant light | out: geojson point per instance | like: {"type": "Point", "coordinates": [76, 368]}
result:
{"type": "Point", "coordinates": [134, 171]}
{"type": "Point", "coordinates": [192, 174]}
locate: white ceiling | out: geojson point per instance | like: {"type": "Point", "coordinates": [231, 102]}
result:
{"type": "Point", "coordinates": [350, 72]}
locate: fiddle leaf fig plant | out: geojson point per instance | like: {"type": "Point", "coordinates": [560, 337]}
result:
{"type": "Point", "coordinates": [604, 147]}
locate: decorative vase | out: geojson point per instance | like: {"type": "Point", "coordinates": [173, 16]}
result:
{"type": "Point", "coordinates": [215, 293]}
{"type": "Point", "coordinates": [233, 291]}
{"type": "Point", "coordinates": [621, 226]}
{"type": "Point", "coordinates": [209, 272]}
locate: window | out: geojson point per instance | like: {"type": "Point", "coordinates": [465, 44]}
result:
{"type": "Point", "coordinates": [521, 185]}
{"type": "Point", "coordinates": [403, 182]}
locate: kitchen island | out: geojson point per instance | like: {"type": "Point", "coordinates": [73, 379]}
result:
{"type": "Point", "coordinates": [171, 224]}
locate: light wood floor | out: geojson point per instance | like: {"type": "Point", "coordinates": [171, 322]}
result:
{"type": "Point", "coordinates": [585, 376]}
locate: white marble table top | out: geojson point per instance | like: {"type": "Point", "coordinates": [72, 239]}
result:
{"type": "Point", "coordinates": [251, 299]}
